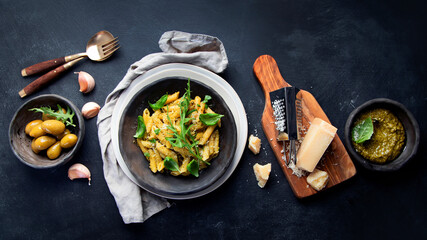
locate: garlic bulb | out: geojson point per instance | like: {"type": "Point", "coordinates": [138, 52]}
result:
{"type": "Point", "coordinates": [86, 82]}
{"type": "Point", "coordinates": [90, 110]}
{"type": "Point", "coordinates": [78, 170]}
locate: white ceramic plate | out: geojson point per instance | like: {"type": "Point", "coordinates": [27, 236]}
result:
{"type": "Point", "coordinates": [204, 76]}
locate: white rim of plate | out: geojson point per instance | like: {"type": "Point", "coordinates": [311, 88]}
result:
{"type": "Point", "coordinates": [222, 87]}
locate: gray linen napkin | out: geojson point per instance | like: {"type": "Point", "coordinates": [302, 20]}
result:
{"type": "Point", "coordinates": [135, 204]}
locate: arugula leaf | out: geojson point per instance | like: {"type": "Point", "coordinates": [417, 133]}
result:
{"type": "Point", "coordinates": [160, 103]}
{"type": "Point", "coordinates": [66, 118]}
{"type": "Point", "coordinates": [180, 139]}
{"type": "Point", "coordinates": [183, 138]}
{"type": "Point", "coordinates": [171, 164]}
{"type": "Point", "coordinates": [140, 130]}
{"type": "Point", "coordinates": [210, 119]}
{"type": "Point", "coordinates": [189, 112]}
{"type": "Point", "coordinates": [157, 131]}
{"type": "Point", "coordinates": [207, 98]}
{"type": "Point", "coordinates": [152, 140]}
{"type": "Point", "coordinates": [193, 168]}
{"type": "Point", "coordinates": [147, 154]}
{"type": "Point", "coordinates": [363, 131]}
{"type": "Point", "coordinates": [175, 142]}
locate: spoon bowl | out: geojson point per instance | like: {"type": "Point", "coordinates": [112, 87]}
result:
{"type": "Point", "coordinates": [99, 47]}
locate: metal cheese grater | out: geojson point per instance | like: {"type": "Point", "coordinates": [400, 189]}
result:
{"type": "Point", "coordinates": [288, 115]}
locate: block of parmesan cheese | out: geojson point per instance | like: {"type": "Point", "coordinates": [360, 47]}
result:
{"type": "Point", "coordinates": [316, 141]}
{"type": "Point", "coordinates": [254, 144]}
{"type": "Point", "coordinates": [262, 172]}
{"type": "Point", "coordinates": [318, 179]}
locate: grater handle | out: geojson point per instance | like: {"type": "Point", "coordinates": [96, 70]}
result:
{"type": "Point", "coordinates": [291, 112]}
{"type": "Point", "coordinates": [268, 74]}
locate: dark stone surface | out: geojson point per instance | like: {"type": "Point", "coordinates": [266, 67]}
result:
{"type": "Point", "coordinates": [343, 52]}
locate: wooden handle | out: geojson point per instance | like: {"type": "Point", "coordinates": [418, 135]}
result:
{"type": "Point", "coordinates": [268, 74]}
{"type": "Point", "coordinates": [336, 161]}
{"type": "Point", "coordinates": [43, 66]}
{"type": "Point", "coordinates": [45, 79]}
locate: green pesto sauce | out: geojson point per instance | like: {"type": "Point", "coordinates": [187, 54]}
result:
{"type": "Point", "coordinates": [388, 139]}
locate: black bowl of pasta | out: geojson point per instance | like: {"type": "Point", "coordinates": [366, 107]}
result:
{"type": "Point", "coordinates": [165, 160]}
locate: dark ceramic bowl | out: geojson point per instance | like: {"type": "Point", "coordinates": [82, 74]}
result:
{"type": "Point", "coordinates": [21, 143]}
{"type": "Point", "coordinates": [163, 184]}
{"type": "Point", "coordinates": [410, 124]}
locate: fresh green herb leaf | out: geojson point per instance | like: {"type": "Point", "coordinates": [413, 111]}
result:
{"type": "Point", "coordinates": [363, 131]}
{"type": "Point", "coordinates": [207, 98]}
{"type": "Point", "coordinates": [210, 119]}
{"type": "Point", "coordinates": [189, 112]}
{"type": "Point", "coordinates": [171, 164]}
{"type": "Point", "coordinates": [193, 167]}
{"type": "Point", "coordinates": [176, 142]}
{"type": "Point", "coordinates": [157, 131]}
{"type": "Point", "coordinates": [140, 130]}
{"type": "Point", "coordinates": [66, 118]}
{"type": "Point", "coordinates": [147, 154]}
{"type": "Point", "coordinates": [160, 103]}
{"type": "Point", "coordinates": [183, 139]}
{"type": "Point", "coordinates": [152, 140]}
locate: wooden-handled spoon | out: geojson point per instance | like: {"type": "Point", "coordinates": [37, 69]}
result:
{"type": "Point", "coordinates": [100, 47]}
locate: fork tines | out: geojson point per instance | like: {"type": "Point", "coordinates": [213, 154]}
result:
{"type": "Point", "coordinates": [110, 47]}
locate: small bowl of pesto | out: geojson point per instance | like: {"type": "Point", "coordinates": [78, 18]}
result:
{"type": "Point", "coordinates": [382, 135]}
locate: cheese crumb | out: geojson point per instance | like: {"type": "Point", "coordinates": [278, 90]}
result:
{"type": "Point", "coordinates": [295, 171]}
{"type": "Point", "coordinates": [254, 144]}
{"type": "Point", "coordinates": [318, 179]}
{"type": "Point", "coordinates": [262, 172]}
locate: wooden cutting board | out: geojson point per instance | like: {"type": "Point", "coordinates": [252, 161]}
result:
{"type": "Point", "coordinates": [336, 161]}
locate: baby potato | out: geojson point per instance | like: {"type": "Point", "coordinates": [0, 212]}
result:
{"type": "Point", "coordinates": [44, 142]}
{"type": "Point", "coordinates": [54, 151]}
{"type": "Point", "coordinates": [31, 125]}
{"type": "Point", "coordinates": [37, 131]}
{"type": "Point", "coordinates": [68, 140]}
{"type": "Point", "coordinates": [61, 135]}
{"type": "Point", "coordinates": [33, 146]}
{"type": "Point", "coordinates": [49, 117]}
{"type": "Point", "coordinates": [53, 127]}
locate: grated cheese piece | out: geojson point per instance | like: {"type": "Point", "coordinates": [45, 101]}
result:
{"type": "Point", "coordinates": [254, 144]}
{"type": "Point", "coordinates": [318, 179]}
{"type": "Point", "coordinates": [295, 171]}
{"type": "Point", "coordinates": [262, 172]}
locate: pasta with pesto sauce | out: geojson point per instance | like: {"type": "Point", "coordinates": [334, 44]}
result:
{"type": "Point", "coordinates": [181, 134]}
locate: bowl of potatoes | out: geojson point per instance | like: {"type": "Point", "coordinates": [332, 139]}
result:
{"type": "Point", "coordinates": [46, 131]}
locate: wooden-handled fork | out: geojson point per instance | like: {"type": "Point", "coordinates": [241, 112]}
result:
{"type": "Point", "coordinates": [100, 47]}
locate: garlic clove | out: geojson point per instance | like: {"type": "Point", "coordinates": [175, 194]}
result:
{"type": "Point", "coordinates": [90, 110]}
{"type": "Point", "coordinates": [78, 170]}
{"type": "Point", "coordinates": [86, 82]}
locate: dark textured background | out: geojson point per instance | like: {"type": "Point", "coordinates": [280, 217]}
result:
{"type": "Point", "coordinates": [343, 52]}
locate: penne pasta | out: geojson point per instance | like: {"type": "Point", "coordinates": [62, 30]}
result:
{"type": "Point", "coordinates": [184, 140]}
{"type": "Point", "coordinates": [147, 120]}
{"type": "Point", "coordinates": [166, 151]}
{"type": "Point", "coordinates": [172, 97]}
{"type": "Point", "coordinates": [205, 152]}
{"type": "Point", "coordinates": [153, 163]}
{"type": "Point", "coordinates": [206, 135]}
